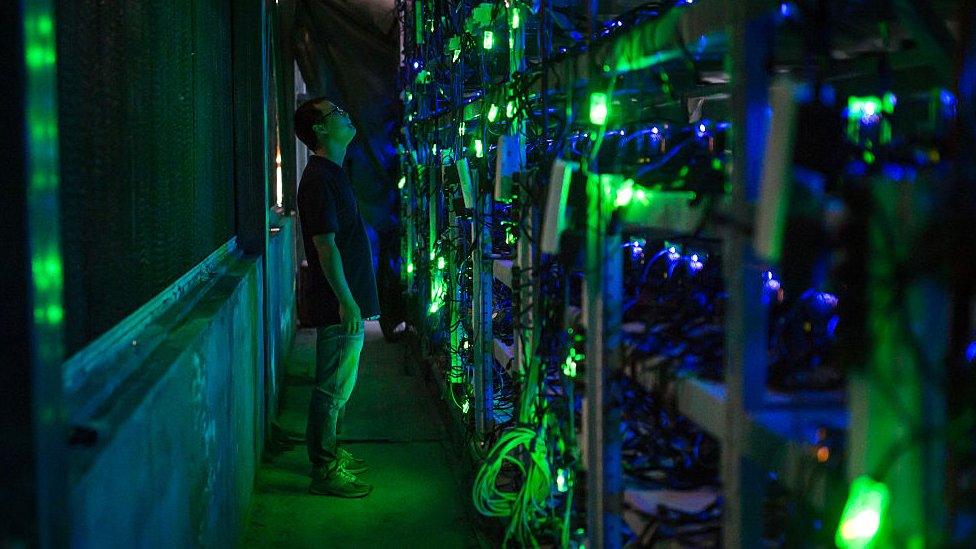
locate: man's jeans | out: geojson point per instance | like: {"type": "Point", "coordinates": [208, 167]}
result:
{"type": "Point", "coordinates": [337, 363]}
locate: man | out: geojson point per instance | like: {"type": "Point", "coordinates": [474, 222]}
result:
{"type": "Point", "coordinates": [341, 291]}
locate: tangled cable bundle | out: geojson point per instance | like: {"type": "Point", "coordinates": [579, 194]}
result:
{"type": "Point", "coordinates": [527, 502]}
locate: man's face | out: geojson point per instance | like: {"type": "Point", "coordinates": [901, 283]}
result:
{"type": "Point", "coordinates": [335, 124]}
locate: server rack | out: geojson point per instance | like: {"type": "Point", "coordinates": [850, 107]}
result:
{"type": "Point", "coordinates": [760, 432]}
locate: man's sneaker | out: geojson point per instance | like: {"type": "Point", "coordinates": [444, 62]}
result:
{"type": "Point", "coordinates": [339, 483]}
{"type": "Point", "coordinates": [351, 463]}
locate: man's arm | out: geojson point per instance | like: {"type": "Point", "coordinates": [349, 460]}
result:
{"type": "Point", "coordinates": [331, 263]}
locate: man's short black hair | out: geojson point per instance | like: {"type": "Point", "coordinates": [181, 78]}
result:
{"type": "Point", "coordinates": [307, 115]}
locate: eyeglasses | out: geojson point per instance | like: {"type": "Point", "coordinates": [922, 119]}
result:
{"type": "Point", "coordinates": [335, 109]}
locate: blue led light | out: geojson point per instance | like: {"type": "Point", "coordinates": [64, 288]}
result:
{"type": "Point", "coordinates": [772, 286]}
{"type": "Point", "coordinates": [947, 98]}
{"type": "Point", "coordinates": [701, 130]}
{"type": "Point", "coordinates": [832, 325]}
{"type": "Point", "coordinates": [971, 352]}
{"type": "Point", "coordinates": [948, 101]}
{"type": "Point", "coordinates": [899, 173]}
{"type": "Point", "coordinates": [827, 299]}
{"type": "Point", "coordinates": [636, 249]}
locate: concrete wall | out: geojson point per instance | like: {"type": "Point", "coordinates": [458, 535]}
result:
{"type": "Point", "coordinates": [281, 304]}
{"type": "Point", "coordinates": [179, 440]}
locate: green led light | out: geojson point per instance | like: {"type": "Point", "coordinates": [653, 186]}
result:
{"type": "Point", "coordinates": [869, 157]}
{"type": "Point", "coordinates": [479, 150]}
{"type": "Point", "coordinates": [561, 483]}
{"type": "Point", "coordinates": [888, 103]}
{"type": "Point", "coordinates": [863, 514]}
{"type": "Point", "coordinates": [489, 40]}
{"type": "Point", "coordinates": [461, 129]}
{"type": "Point", "coordinates": [465, 407]}
{"type": "Point", "coordinates": [437, 292]}
{"type": "Point", "coordinates": [864, 108]}
{"type": "Point", "coordinates": [456, 375]}
{"type": "Point", "coordinates": [409, 268]}
{"type": "Point", "coordinates": [625, 193]}
{"type": "Point", "coordinates": [402, 182]}
{"type": "Point", "coordinates": [515, 18]}
{"type": "Point", "coordinates": [441, 263]}
{"type": "Point", "coordinates": [55, 314]}
{"type": "Point", "coordinates": [569, 367]}
{"type": "Point", "coordinates": [45, 25]}
{"type": "Point", "coordinates": [47, 272]}
{"type": "Point", "coordinates": [40, 82]}
{"type": "Point", "coordinates": [492, 113]}
{"type": "Point", "coordinates": [510, 109]}
{"type": "Point", "coordinates": [598, 108]}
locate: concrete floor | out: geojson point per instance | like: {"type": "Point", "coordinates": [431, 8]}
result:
{"type": "Point", "coordinates": [419, 498]}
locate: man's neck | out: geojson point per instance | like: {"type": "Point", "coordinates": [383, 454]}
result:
{"type": "Point", "coordinates": [333, 152]}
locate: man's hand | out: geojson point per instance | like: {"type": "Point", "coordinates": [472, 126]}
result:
{"type": "Point", "coordinates": [331, 262]}
{"type": "Point", "coordinates": [351, 317]}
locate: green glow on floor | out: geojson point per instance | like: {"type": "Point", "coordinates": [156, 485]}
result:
{"type": "Point", "coordinates": [392, 421]}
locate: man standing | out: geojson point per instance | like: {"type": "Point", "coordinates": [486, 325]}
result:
{"type": "Point", "coordinates": [341, 291]}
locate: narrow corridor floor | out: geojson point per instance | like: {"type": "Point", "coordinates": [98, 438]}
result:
{"type": "Point", "coordinates": [418, 499]}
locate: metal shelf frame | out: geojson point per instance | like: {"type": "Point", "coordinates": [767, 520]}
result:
{"type": "Point", "coordinates": [760, 432]}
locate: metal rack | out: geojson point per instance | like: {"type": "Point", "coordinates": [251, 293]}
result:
{"type": "Point", "coordinates": [760, 432]}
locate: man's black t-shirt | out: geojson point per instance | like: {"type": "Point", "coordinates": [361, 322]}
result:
{"type": "Point", "coordinates": [326, 204]}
